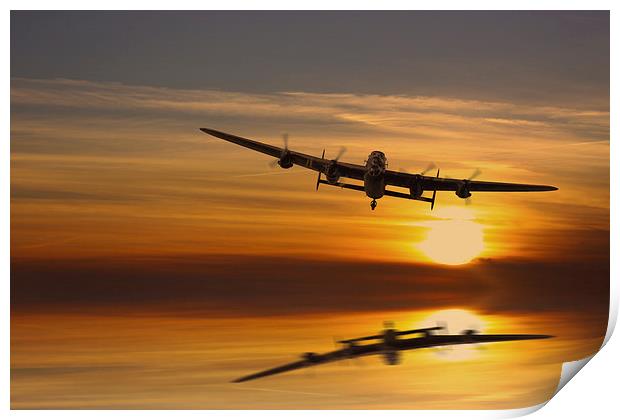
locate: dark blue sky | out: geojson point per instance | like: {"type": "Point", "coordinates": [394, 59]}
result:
{"type": "Point", "coordinates": [547, 57]}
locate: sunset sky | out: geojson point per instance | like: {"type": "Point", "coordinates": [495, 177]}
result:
{"type": "Point", "coordinates": [152, 264]}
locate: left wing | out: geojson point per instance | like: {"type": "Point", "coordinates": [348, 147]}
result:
{"type": "Point", "coordinates": [397, 333]}
{"type": "Point", "coordinates": [347, 170]}
{"type": "Point", "coordinates": [311, 359]}
{"type": "Point", "coordinates": [274, 371]}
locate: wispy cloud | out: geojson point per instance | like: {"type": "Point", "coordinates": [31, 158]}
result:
{"type": "Point", "coordinates": [401, 114]}
{"type": "Point", "coordinates": [128, 165]}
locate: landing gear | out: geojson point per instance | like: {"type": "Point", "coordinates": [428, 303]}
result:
{"type": "Point", "coordinates": [373, 204]}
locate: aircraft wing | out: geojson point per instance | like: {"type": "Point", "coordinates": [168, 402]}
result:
{"type": "Point", "coordinates": [449, 340]}
{"type": "Point", "coordinates": [399, 179]}
{"type": "Point", "coordinates": [430, 183]}
{"type": "Point", "coordinates": [274, 371]}
{"type": "Point", "coordinates": [314, 360]}
{"type": "Point", "coordinates": [402, 344]}
{"type": "Point", "coordinates": [314, 163]}
{"type": "Point", "coordinates": [398, 333]}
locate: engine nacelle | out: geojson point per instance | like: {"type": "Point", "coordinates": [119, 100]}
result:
{"type": "Point", "coordinates": [391, 357]}
{"type": "Point", "coordinates": [350, 347]}
{"type": "Point", "coordinates": [469, 335]}
{"type": "Point", "coordinates": [416, 189]}
{"type": "Point", "coordinates": [285, 161]}
{"type": "Point", "coordinates": [310, 357]}
{"type": "Point", "coordinates": [332, 174]}
{"type": "Point", "coordinates": [462, 191]}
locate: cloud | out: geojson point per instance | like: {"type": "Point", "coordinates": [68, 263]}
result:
{"type": "Point", "coordinates": [431, 116]}
{"type": "Point", "coordinates": [64, 196]}
{"type": "Point", "coordinates": [39, 371]}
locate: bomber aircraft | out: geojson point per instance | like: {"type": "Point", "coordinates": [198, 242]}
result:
{"type": "Point", "coordinates": [375, 174]}
{"type": "Point", "coordinates": [388, 344]}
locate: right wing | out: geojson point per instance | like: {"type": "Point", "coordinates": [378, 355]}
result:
{"type": "Point", "coordinates": [455, 339]}
{"type": "Point", "coordinates": [432, 183]}
{"type": "Point", "coordinates": [347, 170]}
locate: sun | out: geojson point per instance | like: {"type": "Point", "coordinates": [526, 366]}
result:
{"type": "Point", "coordinates": [455, 321]}
{"type": "Point", "coordinates": [455, 239]}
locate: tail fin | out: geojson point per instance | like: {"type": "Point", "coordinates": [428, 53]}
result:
{"type": "Point", "coordinates": [434, 193]}
{"type": "Point", "coordinates": [318, 179]}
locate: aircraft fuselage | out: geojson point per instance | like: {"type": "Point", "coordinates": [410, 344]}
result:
{"type": "Point", "coordinates": [391, 355]}
{"type": "Point", "coordinates": [374, 178]}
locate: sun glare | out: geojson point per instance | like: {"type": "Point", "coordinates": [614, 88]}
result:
{"type": "Point", "coordinates": [455, 239]}
{"type": "Point", "coordinates": [456, 321]}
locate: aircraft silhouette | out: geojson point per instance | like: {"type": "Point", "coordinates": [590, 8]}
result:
{"type": "Point", "coordinates": [389, 345]}
{"type": "Point", "coordinates": [375, 174]}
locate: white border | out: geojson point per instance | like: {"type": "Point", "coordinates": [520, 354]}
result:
{"type": "Point", "coordinates": [592, 395]}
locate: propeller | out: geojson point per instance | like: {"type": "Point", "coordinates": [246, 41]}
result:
{"type": "Point", "coordinates": [429, 168]}
{"type": "Point", "coordinates": [340, 153]}
{"type": "Point", "coordinates": [475, 174]}
{"type": "Point", "coordinates": [275, 162]}
{"type": "Point", "coordinates": [330, 168]}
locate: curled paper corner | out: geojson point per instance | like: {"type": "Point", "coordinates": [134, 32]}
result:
{"type": "Point", "coordinates": [569, 370]}
{"type": "Point", "coordinates": [613, 314]}
{"type": "Point", "coordinates": [519, 412]}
